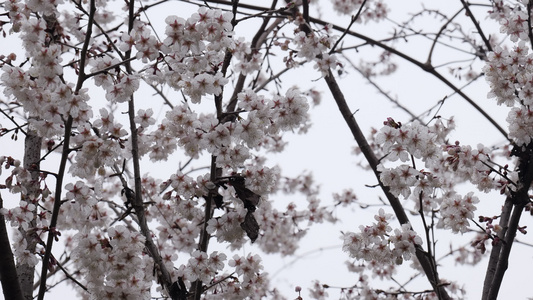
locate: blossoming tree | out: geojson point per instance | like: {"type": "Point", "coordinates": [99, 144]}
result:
{"type": "Point", "coordinates": [84, 81]}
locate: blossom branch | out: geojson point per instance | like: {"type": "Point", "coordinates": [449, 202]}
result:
{"type": "Point", "coordinates": [257, 40]}
{"type": "Point", "coordinates": [64, 156]}
{"type": "Point", "coordinates": [373, 161]}
{"type": "Point", "coordinates": [153, 251]}
{"type": "Point", "coordinates": [424, 66]}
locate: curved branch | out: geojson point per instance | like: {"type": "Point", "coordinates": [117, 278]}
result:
{"type": "Point", "coordinates": [428, 61]}
{"type": "Point", "coordinates": [428, 68]}
{"type": "Point", "coordinates": [354, 18]}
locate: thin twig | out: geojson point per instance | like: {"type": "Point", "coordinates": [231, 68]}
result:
{"type": "Point", "coordinates": [381, 91]}
{"type": "Point", "coordinates": [428, 61]}
{"type": "Point", "coordinates": [476, 23]}
{"type": "Point", "coordinates": [353, 20]}
{"type": "Point", "coordinates": [13, 120]}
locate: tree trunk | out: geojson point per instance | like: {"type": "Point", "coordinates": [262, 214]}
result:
{"type": "Point", "coordinates": [32, 156]}
{"type": "Point", "coordinates": [8, 272]}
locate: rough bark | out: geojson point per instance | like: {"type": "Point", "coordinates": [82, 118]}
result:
{"type": "Point", "coordinates": [32, 155]}
{"type": "Point", "coordinates": [8, 271]}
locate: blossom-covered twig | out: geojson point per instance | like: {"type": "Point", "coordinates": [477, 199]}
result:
{"type": "Point", "coordinates": [396, 205]}
{"type": "Point", "coordinates": [138, 205]}
{"type": "Point", "coordinates": [64, 156]}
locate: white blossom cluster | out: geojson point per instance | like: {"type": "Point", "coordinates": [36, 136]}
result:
{"type": "Point", "coordinates": [114, 265]}
{"type": "Point", "coordinates": [510, 72]}
{"type": "Point", "coordinates": [374, 10]}
{"type": "Point", "coordinates": [314, 47]}
{"type": "Point", "coordinates": [456, 211]}
{"type": "Point", "coordinates": [445, 165]}
{"type": "Point", "coordinates": [260, 126]}
{"type": "Point", "coordinates": [346, 198]}
{"type": "Point", "coordinates": [376, 243]}
{"type": "Point", "coordinates": [432, 189]}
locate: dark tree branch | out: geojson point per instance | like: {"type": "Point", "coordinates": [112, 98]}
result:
{"type": "Point", "coordinates": [64, 156]}
{"type": "Point", "coordinates": [476, 23]}
{"type": "Point", "coordinates": [257, 40]}
{"type": "Point", "coordinates": [373, 161]}
{"type": "Point", "coordinates": [8, 272]}
{"type": "Point", "coordinates": [138, 205]}
{"type": "Point", "coordinates": [518, 199]}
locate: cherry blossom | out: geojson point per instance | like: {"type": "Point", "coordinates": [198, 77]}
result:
{"type": "Point", "coordinates": [372, 244]}
{"type": "Point", "coordinates": [373, 10]}
{"type": "Point", "coordinates": [78, 86]}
